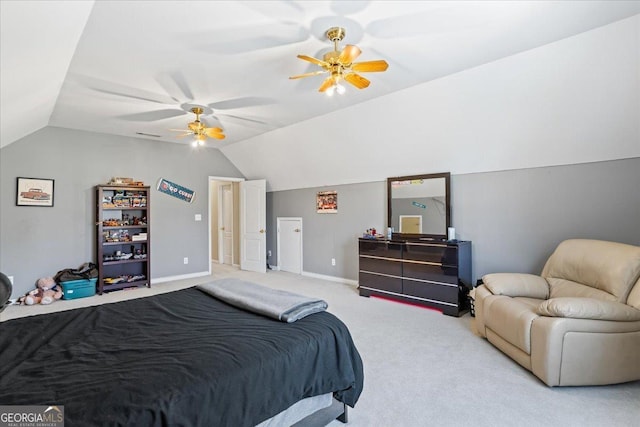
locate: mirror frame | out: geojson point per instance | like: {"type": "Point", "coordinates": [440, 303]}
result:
{"type": "Point", "coordinates": [446, 176]}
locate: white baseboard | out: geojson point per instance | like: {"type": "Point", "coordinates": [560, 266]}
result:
{"type": "Point", "coordinates": [179, 277]}
{"type": "Point", "coordinates": [330, 278]}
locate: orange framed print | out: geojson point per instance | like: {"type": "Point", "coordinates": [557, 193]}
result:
{"type": "Point", "coordinates": [34, 192]}
{"type": "Point", "coordinates": [327, 202]}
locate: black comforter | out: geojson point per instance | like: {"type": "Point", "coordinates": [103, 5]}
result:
{"type": "Point", "coordinates": [180, 358]}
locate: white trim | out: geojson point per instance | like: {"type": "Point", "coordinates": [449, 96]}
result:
{"type": "Point", "coordinates": [221, 207]}
{"type": "Point", "coordinates": [330, 278]}
{"type": "Point", "coordinates": [210, 183]}
{"type": "Point", "coordinates": [180, 277]}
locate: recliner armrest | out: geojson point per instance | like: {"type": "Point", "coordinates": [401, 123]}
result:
{"type": "Point", "coordinates": [517, 285]}
{"type": "Point", "coordinates": [588, 308]}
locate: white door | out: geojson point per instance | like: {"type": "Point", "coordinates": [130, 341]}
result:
{"type": "Point", "coordinates": [253, 220]}
{"type": "Point", "coordinates": [225, 217]}
{"type": "Point", "coordinates": [289, 244]}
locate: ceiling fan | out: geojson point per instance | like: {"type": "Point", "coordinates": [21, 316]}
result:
{"type": "Point", "coordinates": [199, 130]}
{"type": "Point", "coordinates": [340, 65]}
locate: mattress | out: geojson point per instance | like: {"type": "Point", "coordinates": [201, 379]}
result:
{"type": "Point", "coordinates": [179, 358]}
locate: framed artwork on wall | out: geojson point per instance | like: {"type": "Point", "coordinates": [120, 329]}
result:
{"type": "Point", "coordinates": [327, 202]}
{"type": "Point", "coordinates": [34, 192]}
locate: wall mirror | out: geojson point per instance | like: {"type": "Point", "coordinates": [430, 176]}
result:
{"type": "Point", "coordinates": [419, 205]}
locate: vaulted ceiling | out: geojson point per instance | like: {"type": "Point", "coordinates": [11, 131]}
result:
{"type": "Point", "coordinates": [135, 68]}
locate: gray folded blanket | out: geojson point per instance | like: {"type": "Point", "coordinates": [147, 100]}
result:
{"type": "Point", "coordinates": [280, 305]}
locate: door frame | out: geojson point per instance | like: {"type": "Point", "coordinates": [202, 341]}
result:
{"type": "Point", "coordinates": [211, 179]}
{"type": "Point", "coordinates": [221, 207]}
{"type": "Point", "coordinates": [289, 218]}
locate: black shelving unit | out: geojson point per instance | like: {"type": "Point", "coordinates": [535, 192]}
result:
{"type": "Point", "coordinates": [123, 237]}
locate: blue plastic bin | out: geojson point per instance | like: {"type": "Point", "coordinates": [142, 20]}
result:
{"type": "Point", "coordinates": [74, 289]}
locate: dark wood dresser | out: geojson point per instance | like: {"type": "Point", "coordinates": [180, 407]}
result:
{"type": "Point", "coordinates": [435, 274]}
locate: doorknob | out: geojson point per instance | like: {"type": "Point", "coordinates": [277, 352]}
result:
{"type": "Point", "coordinates": [261, 230]}
{"type": "Point", "coordinates": [222, 228]}
{"type": "Point", "coordinates": [297, 230]}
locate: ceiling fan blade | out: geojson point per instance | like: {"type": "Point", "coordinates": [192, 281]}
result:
{"type": "Point", "coordinates": [213, 133]}
{"type": "Point", "coordinates": [152, 116]}
{"type": "Point", "coordinates": [180, 130]}
{"type": "Point", "coordinates": [326, 84]}
{"type": "Point", "coordinates": [183, 135]}
{"type": "Point", "coordinates": [113, 88]}
{"type": "Point", "coordinates": [349, 53]}
{"type": "Point", "coordinates": [175, 85]}
{"type": "Point", "coordinates": [314, 61]}
{"type": "Point", "coordinates": [370, 66]}
{"type": "Point", "coordinates": [356, 80]}
{"type": "Point", "coordinates": [246, 119]}
{"type": "Point", "coordinates": [247, 101]}
{"type": "Point", "coordinates": [315, 73]}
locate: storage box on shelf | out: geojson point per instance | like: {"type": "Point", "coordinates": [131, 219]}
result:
{"type": "Point", "coordinates": [123, 237]}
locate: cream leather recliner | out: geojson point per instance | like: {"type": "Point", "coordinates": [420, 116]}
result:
{"type": "Point", "coordinates": [578, 323]}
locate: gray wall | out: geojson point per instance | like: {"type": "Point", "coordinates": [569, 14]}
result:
{"type": "Point", "coordinates": [38, 241]}
{"type": "Point", "coordinates": [514, 218]}
{"type": "Point", "coordinates": [326, 236]}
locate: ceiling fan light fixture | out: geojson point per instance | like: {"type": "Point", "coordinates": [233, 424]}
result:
{"type": "Point", "coordinates": [341, 66]}
{"type": "Point", "coordinates": [199, 130]}
{"type": "Point", "coordinates": [335, 88]}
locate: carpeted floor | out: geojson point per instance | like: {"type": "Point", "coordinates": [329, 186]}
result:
{"type": "Point", "coordinates": [423, 368]}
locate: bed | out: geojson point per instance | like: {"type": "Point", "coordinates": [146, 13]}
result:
{"type": "Point", "coordinates": [178, 358]}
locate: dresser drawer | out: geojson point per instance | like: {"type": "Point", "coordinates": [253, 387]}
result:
{"type": "Point", "coordinates": [431, 272]}
{"type": "Point", "coordinates": [431, 252]}
{"type": "Point", "coordinates": [384, 248]}
{"type": "Point", "coordinates": [431, 291]}
{"type": "Point", "coordinates": [381, 265]}
{"type": "Point", "coordinates": [376, 281]}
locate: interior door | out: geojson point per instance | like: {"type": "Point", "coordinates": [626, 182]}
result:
{"type": "Point", "coordinates": [227, 224]}
{"type": "Point", "coordinates": [253, 220]}
{"type": "Point", "coordinates": [411, 224]}
{"type": "Point", "coordinates": [290, 244]}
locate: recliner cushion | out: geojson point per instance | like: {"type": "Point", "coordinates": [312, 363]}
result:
{"type": "Point", "coordinates": [566, 288]}
{"type": "Point", "coordinates": [511, 319]}
{"type": "Point", "coordinates": [608, 266]}
{"type": "Point", "coordinates": [588, 308]}
{"type": "Point", "coordinates": [517, 285]}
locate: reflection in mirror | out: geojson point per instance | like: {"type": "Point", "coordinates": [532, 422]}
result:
{"type": "Point", "coordinates": [419, 205]}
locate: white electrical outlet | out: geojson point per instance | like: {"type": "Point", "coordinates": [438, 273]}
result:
{"type": "Point", "coordinates": [198, 217]}
{"type": "Point", "coordinates": [268, 253]}
{"type": "Point", "coordinates": [186, 260]}
{"type": "Point", "coordinates": [333, 261]}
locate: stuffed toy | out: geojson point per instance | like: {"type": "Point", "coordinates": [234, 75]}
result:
{"type": "Point", "coordinates": [46, 292]}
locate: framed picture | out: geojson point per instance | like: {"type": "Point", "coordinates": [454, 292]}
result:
{"type": "Point", "coordinates": [327, 202]}
{"type": "Point", "coordinates": [34, 192]}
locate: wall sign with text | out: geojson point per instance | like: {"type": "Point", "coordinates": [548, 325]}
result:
{"type": "Point", "coordinates": [175, 190]}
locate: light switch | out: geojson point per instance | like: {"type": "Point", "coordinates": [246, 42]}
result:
{"type": "Point", "coordinates": [198, 217]}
